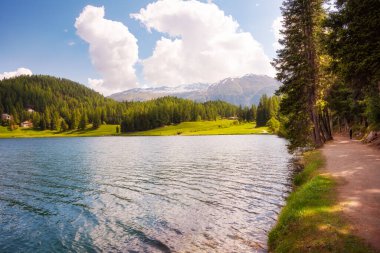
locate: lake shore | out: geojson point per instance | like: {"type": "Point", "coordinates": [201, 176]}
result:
{"type": "Point", "coordinates": [218, 127]}
{"type": "Point", "coordinates": [312, 220]}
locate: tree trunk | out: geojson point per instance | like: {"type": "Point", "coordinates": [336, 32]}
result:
{"type": "Point", "coordinates": [311, 55]}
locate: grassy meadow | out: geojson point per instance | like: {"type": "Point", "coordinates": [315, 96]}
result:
{"type": "Point", "coordinates": [103, 130]}
{"type": "Point", "coordinates": [218, 127]}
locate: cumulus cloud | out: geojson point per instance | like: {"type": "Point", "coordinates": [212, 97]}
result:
{"type": "Point", "coordinates": [202, 44]}
{"type": "Point", "coordinates": [276, 28]}
{"type": "Point", "coordinates": [18, 72]}
{"type": "Point", "coordinates": [98, 85]}
{"type": "Point", "coordinates": [113, 49]}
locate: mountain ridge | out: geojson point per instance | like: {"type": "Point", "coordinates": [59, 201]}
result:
{"type": "Point", "coordinates": [245, 90]}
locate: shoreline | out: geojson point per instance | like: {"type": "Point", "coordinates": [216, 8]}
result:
{"type": "Point", "coordinates": [198, 128]}
{"type": "Point", "coordinates": [311, 220]}
{"type": "Point", "coordinates": [126, 135]}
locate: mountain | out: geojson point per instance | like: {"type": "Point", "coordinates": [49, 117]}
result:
{"type": "Point", "coordinates": [245, 90]}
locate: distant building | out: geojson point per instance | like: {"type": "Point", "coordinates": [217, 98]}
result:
{"type": "Point", "coordinates": [30, 110]}
{"type": "Point", "coordinates": [27, 124]}
{"type": "Point", "coordinates": [5, 117]}
{"type": "Point", "coordinates": [233, 118]}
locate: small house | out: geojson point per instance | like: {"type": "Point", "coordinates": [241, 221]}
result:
{"type": "Point", "coordinates": [30, 110]}
{"type": "Point", "coordinates": [27, 124]}
{"type": "Point", "coordinates": [6, 117]}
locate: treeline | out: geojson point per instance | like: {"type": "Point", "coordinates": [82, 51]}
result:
{"type": "Point", "coordinates": [141, 116]}
{"type": "Point", "coordinates": [60, 104]}
{"type": "Point", "coordinates": [329, 68]}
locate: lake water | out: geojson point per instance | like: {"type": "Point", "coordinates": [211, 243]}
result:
{"type": "Point", "coordinates": [141, 194]}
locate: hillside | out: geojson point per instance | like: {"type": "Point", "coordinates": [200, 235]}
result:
{"type": "Point", "coordinates": [50, 103]}
{"type": "Point", "coordinates": [245, 91]}
{"type": "Point", "coordinates": [53, 99]}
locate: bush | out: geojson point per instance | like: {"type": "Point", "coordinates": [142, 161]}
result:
{"type": "Point", "coordinates": [274, 125]}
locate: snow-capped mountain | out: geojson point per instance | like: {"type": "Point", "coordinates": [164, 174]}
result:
{"type": "Point", "coordinates": [245, 90]}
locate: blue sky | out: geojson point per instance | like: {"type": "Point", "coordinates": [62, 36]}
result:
{"type": "Point", "coordinates": [40, 35]}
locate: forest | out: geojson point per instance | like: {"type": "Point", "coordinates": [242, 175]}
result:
{"type": "Point", "coordinates": [60, 104]}
{"type": "Point", "coordinates": [329, 69]}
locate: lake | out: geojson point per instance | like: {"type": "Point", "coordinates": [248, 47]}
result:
{"type": "Point", "coordinates": [141, 194]}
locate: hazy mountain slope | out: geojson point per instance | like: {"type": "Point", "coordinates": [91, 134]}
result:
{"type": "Point", "coordinates": [244, 90]}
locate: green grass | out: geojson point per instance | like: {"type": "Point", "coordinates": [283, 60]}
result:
{"type": "Point", "coordinates": [312, 221]}
{"type": "Point", "coordinates": [218, 127]}
{"type": "Point", "coordinates": [103, 130]}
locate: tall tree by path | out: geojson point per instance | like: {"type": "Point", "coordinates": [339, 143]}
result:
{"type": "Point", "coordinates": [353, 41]}
{"type": "Point", "coordinates": [297, 68]}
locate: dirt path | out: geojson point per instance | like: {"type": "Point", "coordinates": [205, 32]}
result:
{"type": "Point", "coordinates": [357, 167]}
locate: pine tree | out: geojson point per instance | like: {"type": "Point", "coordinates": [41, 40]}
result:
{"type": "Point", "coordinates": [83, 122]}
{"type": "Point", "coordinates": [75, 119]}
{"type": "Point", "coordinates": [96, 121]}
{"type": "Point", "coordinates": [55, 121]}
{"type": "Point", "coordinates": [298, 71]}
{"type": "Point", "coordinates": [64, 126]}
{"type": "Point", "coordinates": [353, 42]}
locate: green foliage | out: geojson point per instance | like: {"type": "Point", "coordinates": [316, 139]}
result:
{"type": "Point", "coordinates": [96, 120]}
{"type": "Point", "coordinates": [268, 108]}
{"type": "Point", "coordinates": [274, 125]}
{"type": "Point", "coordinates": [64, 126]}
{"type": "Point", "coordinates": [297, 69]}
{"type": "Point", "coordinates": [83, 122]}
{"type": "Point", "coordinates": [352, 40]}
{"type": "Point", "coordinates": [140, 116]}
{"type": "Point", "coordinates": [54, 99]}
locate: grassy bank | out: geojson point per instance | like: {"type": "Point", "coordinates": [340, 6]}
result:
{"type": "Point", "coordinates": [311, 221]}
{"type": "Point", "coordinates": [103, 130]}
{"type": "Point", "coordinates": [218, 127]}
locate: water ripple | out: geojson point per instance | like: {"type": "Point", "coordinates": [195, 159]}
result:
{"type": "Point", "coordinates": [164, 194]}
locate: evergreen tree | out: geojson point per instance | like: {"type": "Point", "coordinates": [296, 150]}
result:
{"type": "Point", "coordinates": [75, 119]}
{"type": "Point", "coordinates": [64, 126]}
{"type": "Point", "coordinates": [297, 68]}
{"type": "Point", "coordinates": [83, 122]}
{"type": "Point", "coordinates": [43, 123]}
{"type": "Point", "coordinates": [55, 121]}
{"type": "Point", "coordinates": [96, 121]}
{"type": "Point", "coordinates": [353, 43]}
{"type": "Point", "coordinates": [36, 119]}
{"type": "Point", "coordinates": [47, 118]}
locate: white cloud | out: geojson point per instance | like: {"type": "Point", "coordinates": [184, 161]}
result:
{"type": "Point", "coordinates": [98, 85]}
{"type": "Point", "coordinates": [71, 43]}
{"type": "Point", "coordinates": [203, 44]}
{"type": "Point", "coordinates": [276, 27]}
{"type": "Point", "coordinates": [113, 49]}
{"type": "Point", "coordinates": [18, 72]}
